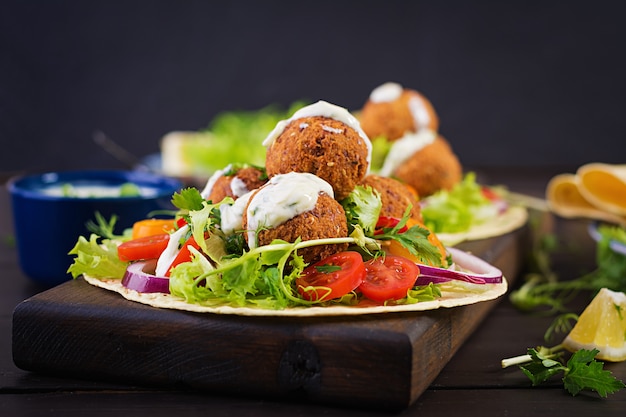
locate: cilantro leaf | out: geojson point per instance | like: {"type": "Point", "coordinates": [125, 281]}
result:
{"type": "Point", "coordinates": [584, 372]}
{"type": "Point", "coordinates": [188, 199]}
{"type": "Point", "coordinates": [362, 207]}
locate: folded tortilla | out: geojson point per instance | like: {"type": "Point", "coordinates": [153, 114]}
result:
{"type": "Point", "coordinates": [597, 191]}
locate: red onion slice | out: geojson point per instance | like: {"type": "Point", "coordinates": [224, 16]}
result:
{"type": "Point", "coordinates": [466, 267]}
{"type": "Point", "coordinates": [139, 277]}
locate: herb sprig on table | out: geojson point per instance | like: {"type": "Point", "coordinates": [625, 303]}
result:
{"type": "Point", "coordinates": [544, 292]}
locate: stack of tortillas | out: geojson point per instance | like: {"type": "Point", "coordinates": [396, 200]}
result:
{"type": "Point", "coordinates": [596, 191]}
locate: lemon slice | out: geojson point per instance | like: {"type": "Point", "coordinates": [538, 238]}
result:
{"type": "Point", "coordinates": [602, 325]}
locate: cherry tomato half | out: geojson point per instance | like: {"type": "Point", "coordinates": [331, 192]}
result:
{"type": "Point", "coordinates": [148, 247]}
{"type": "Point", "coordinates": [151, 227]}
{"type": "Point", "coordinates": [388, 278]}
{"type": "Point", "coordinates": [332, 277]}
{"type": "Point", "coordinates": [184, 255]}
{"type": "Point", "coordinates": [387, 222]}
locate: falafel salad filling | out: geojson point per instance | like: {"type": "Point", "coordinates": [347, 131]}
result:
{"type": "Point", "coordinates": [311, 233]}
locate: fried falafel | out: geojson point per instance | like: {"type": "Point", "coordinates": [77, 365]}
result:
{"type": "Point", "coordinates": [432, 168]}
{"type": "Point", "coordinates": [395, 196]}
{"type": "Point", "coordinates": [392, 110]}
{"type": "Point", "coordinates": [295, 206]}
{"type": "Point", "coordinates": [235, 181]}
{"type": "Point", "coordinates": [322, 139]}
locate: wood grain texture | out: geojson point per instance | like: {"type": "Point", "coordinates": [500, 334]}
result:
{"type": "Point", "coordinates": [383, 360]}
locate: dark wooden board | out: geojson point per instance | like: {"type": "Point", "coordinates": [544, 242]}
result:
{"type": "Point", "coordinates": [382, 360]}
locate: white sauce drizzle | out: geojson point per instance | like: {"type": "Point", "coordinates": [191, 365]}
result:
{"type": "Point", "coordinates": [331, 129]}
{"type": "Point", "coordinates": [170, 252]}
{"type": "Point", "coordinates": [403, 148]}
{"type": "Point", "coordinates": [232, 214]}
{"type": "Point", "coordinates": [282, 198]}
{"type": "Point", "coordinates": [421, 117]}
{"type": "Point", "coordinates": [386, 92]}
{"type": "Point", "coordinates": [208, 188]}
{"type": "Point", "coordinates": [324, 109]}
{"type": "Point", "coordinates": [238, 187]}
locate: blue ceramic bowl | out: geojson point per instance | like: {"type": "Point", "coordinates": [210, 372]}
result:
{"type": "Point", "coordinates": [50, 212]}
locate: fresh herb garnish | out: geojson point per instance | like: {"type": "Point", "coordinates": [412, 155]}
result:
{"type": "Point", "coordinates": [328, 268]}
{"type": "Point", "coordinates": [188, 199]}
{"type": "Point", "coordinates": [542, 290]}
{"type": "Point", "coordinates": [580, 372]}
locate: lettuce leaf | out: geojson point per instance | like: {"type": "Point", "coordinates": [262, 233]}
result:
{"type": "Point", "coordinates": [458, 209]}
{"type": "Point", "coordinates": [96, 259]}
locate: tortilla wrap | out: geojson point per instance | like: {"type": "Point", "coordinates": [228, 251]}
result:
{"type": "Point", "coordinates": [596, 191]}
{"type": "Point", "coordinates": [512, 219]}
{"type": "Point", "coordinates": [160, 300]}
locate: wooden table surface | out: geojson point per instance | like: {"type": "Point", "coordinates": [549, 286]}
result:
{"type": "Point", "coordinates": [472, 383]}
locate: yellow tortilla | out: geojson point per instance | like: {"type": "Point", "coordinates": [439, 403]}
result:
{"type": "Point", "coordinates": [596, 191]}
{"type": "Point", "coordinates": [512, 219]}
{"type": "Point", "coordinates": [160, 300]}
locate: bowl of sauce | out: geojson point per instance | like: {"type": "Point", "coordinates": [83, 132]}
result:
{"type": "Point", "coordinates": [51, 210]}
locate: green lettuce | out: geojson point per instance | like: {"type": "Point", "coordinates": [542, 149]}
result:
{"type": "Point", "coordinates": [458, 209]}
{"type": "Point", "coordinates": [96, 259]}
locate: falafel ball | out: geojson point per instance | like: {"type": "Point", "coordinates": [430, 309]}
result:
{"type": "Point", "coordinates": [292, 206]}
{"type": "Point", "coordinates": [236, 181]}
{"type": "Point", "coordinates": [395, 196]}
{"type": "Point", "coordinates": [392, 110]}
{"type": "Point", "coordinates": [432, 168]}
{"type": "Point", "coordinates": [324, 140]}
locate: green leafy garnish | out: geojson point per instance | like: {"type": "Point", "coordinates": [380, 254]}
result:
{"type": "Point", "coordinates": [188, 199]}
{"type": "Point", "coordinates": [328, 268]}
{"type": "Point", "coordinates": [102, 227]}
{"type": "Point", "coordinates": [581, 372]}
{"type": "Point", "coordinates": [542, 290]}
{"type": "Point", "coordinates": [362, 207]}
{"type": "Point", "coordinates": [234, 136]}
{"type": "Point", "coordinates": [456, 210]}
{"type": "Point", "coordinates": [96, 259]}
{"type": "Point", "coordinates": [129, 189]}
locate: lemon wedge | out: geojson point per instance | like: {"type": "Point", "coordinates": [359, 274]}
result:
{"type": "Point", "coordinates": [602, 325]}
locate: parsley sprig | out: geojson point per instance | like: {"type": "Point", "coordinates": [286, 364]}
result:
{"type": "Point", "coordinates": [580, 372]}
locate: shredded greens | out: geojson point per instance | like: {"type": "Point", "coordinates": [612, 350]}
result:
{"type": "Point", "coordinates": [458, 209]}
{"type": "Point", "coordinates": [235, 136]}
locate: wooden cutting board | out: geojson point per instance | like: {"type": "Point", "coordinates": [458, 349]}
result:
{"type": "Point", "coordinates": [382, 360]}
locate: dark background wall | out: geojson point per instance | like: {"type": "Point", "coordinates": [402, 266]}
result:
{"type": "Point", "coordinates": [514, 83]}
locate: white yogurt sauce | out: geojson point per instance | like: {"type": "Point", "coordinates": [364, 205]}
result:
{"type": "Point", "coordinates": [421, 117]}
{"type": "Point", "coordinates": [232, 214]}
{"type": "Point", "coordinates": [238, 187]}
{"type": "Point", "coordinates": [390, 91]}
{"type": "Point", "coordinates": [386, 92]}
{"type": "Point", "coordinates": [324, 109]}
{"type": "Point", "coordinates": [170, 252]}
{"type": "Point", "coordinates": [94, 191]}
{"type": "Point", "coordinates": [284, 197]}
{"type": "Point", "coordinates": [404, 148]}
{"type": "Point", "coordinates": [208, 188]}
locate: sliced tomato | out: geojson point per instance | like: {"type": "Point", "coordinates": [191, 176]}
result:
{"type": "Point", "coordinates": [184, 255]}
{"type": "Point", "coordinates": [388, 278]}
{"type": "Point", "coordinates": [148, 247]}
{"type": "Point", "coordinates": [332, 277]}
{"type": "Point", "coordinates": [489, 193]}
{"type": "Point", "coordinates": [386, 222]}
{"type": "Point", "coordinates": [151, 227]}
